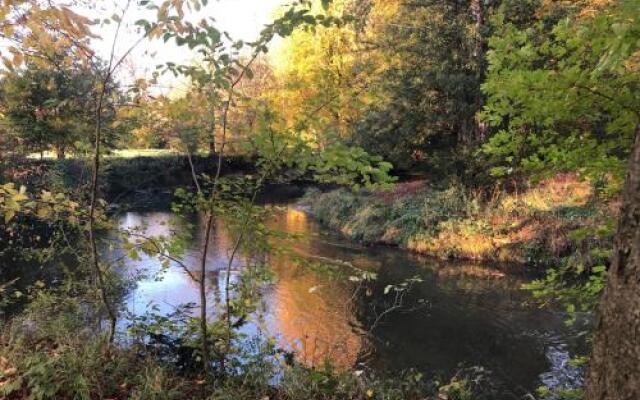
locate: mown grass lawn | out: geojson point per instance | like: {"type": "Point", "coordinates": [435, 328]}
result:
{"type": "Point", "coordinates": [123, 153]}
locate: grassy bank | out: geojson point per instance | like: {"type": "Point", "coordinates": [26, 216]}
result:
{"type": "Point", "coordinates": [540, 225]}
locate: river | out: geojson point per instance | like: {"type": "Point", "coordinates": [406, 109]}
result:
{"type": "Point", "coordinates": [458, 315]}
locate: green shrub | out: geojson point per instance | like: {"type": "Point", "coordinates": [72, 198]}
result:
{"type": "Point", "coordinates": [334, 208]}
{"type": "Point", "coordinates": [368, 223]}
{"type": "Point", "coordinates": [54, 350]}
{"type": "Point", "coordinates": [406, 219]}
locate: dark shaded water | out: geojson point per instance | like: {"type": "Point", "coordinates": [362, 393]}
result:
{"type": "Point", "coordinates": [461, 314]}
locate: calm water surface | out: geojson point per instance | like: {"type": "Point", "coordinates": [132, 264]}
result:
{"type": "Point", "coordinates": [460, 315]}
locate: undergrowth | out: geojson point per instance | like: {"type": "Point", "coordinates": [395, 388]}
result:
{"type": "Point", "coordinates": [54, 350]}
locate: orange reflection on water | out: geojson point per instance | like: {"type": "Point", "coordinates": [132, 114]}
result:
{"type": "Point", "coordinates": [311, 311]}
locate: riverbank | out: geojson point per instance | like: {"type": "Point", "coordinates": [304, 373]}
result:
{"type": "Point", "coordinates": [539, 226]}
{"type": "Point", "coordinates": [120, 176]}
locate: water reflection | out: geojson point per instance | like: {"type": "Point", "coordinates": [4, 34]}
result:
{"type": "Point", "coordinates": [475, 315]}
{"type": "Point", "coordinates": [169, 288]}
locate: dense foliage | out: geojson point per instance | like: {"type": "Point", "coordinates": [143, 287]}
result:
{"type": "Point", "coordinates": [562, 93]}
{"type": "Point", "coordinates": [49, 108]}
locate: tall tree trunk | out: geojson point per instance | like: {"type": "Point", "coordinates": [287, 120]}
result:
{"type": "Point", "coordinates": [478, 11]}
{"type": "Point", "coordinates": [212, 133]}
{"type": "Point", "coordinates": [206, 358]}
{"type": "Point", "coordinates": [95, 175]}
{"type": "Point", "coordinates": [614, 370]}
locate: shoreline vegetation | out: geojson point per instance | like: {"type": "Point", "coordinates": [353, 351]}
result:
{"type": "Point", "coordinates": [60, 357]}
{"type": "Point", "coordinates": [539, 226]}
